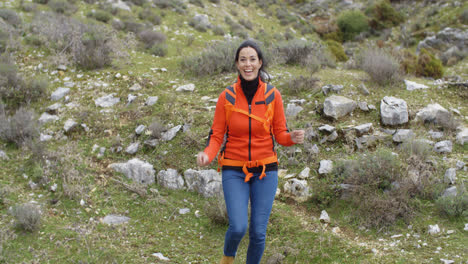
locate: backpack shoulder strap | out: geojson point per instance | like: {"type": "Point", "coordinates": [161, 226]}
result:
{"type": "Point", "coordinates": [231, 94]}
{"type": "Point", "coordinates": [269, 94]}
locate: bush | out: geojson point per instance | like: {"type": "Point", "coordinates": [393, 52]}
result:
{"type": "Point", "coordinates": [302, 84]}
{"type": "Point", "coordinates": [43, 2]}
{"type": "Point", "coordinates": [246, 23]}
{"type": "Point", "coordinates": [408, 62]}
{"type": "Point", "coordinates": [216, 58]}
{"type": "Point", "coordinates": [177, 4]}
{"type": "Point", "coordinates": [197, 3]}
{"type": "Point", "coordinates": [100, 15]}
{"type": "Point", "coordinates": [156, 128]}
{"type": "Point", "coordinates": [382, 67]}
{"type": "Point", "coordinates": [304, 53]}
{"type": "Point", "coordinates": [159, 49]}
{"type": "Point", "coordinates": [198, 25]}
{"type": "Point", "coordinates": [215, 209]}
{"type": "Point", "coordinates": [218, 30]}
{"type": "Point", "coordinates": [62, 7]}
{"type": "Point", "coordinates": [132, 26]}
{"type": "Point", "coordinates": [93, 50]}
{"type": "Point", "coordinates": [428, 65]}
{"type": "Point", "coordinates": [383, 15]}
{"type": "Point", "coordinates": [337, 50]}
{"type": "Point", "coordinates": [454, 206]}
{"type": "Point", "coordinates": [150, 38]}
{"type": "Point", "coordinates": [415, 147]}
{"type": "Point", "coordinates": [351, 23]}
{"type": "Point", "coordinates": [150, 16]}
{"type": "Point", "coordinates": [27, 216]}
{"type": "Point", "coordinates": [370, 177]}
{"type": "Point", "coordinates": [464, 17]}
{"type": "Point", "coordinates": [10, 17]}
{"type": "Point", "coordinates": [20, 128]}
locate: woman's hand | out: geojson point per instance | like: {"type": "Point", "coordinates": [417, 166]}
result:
{"type": "Point", "coordinates": [297, 136]}
{"type": "Point", "coordinates": [202, 159]}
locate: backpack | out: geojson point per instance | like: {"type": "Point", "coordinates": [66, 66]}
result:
{"type": "Point", "coordinates": [229, 107]}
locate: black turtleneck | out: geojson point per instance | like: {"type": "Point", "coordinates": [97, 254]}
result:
{"type": "Point", "coordinates": [249, 88]}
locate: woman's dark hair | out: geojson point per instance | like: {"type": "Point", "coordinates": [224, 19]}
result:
{"type": "Point", "coordinates": [252, 44]}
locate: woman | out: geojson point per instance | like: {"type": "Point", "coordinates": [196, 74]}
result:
{"type": "Point", "coordinates": [251, 115]}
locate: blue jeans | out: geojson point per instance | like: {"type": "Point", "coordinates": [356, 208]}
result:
{"type": "Point", "coordinates": [237, 194]}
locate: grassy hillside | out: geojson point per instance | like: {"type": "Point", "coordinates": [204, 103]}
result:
{"type": "Point", "coordinates": [96, 49]}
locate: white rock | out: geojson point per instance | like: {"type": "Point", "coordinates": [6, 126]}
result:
{"type": "Point", "coordinates": [184, 211]}
{"type": "Point", "coordinates": [433, 229]}
{"type": "Point", "coordinates": [171, 133]}
{"type": "Point", "coordinates": [140, 129]}
{"type": "Point", "coordinates": [82, 202]}
{"type": "Point", "coordinates": [304, 173]}
{"type": "Point", "coordinates": [466, 227]}
{"type": "Point", "coordinates": [3, 155]}
{"type": "Point", "coordinates": [53, 188]}
{"type": "Point", "coordinates": [186, 88]}
{"type": "Point", "coordinates": [135, 87]}
{"type": "Point", "coordinates": [450, 176]}
{"type": "Point", "coordinates": [107, 100]}
{"type": "Point", "coordinates": [133, 148]}
{"type": "Point", "coordinates": [160, 256]}
{"type": "Point", "coordinates": [46, 118]}
{"type": "Point", "coordinates": [59, 93]}
{"type": "Point", "coordinates": [324, 218]}
{"type": "Point", "coordinates": [410, 86]}
{"type": "Point", "coordinates": [326, 166]}
{"type": "Point", "coordinates": [447, 261]}
{"type": "Point", "coordinates": [151, 100]}
{"type": "Point", "coordinates": [115, 219]}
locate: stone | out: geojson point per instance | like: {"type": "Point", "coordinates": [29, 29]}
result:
{"type": "Point", "coordinates": [62, 67]}
{"type": "Point", "coordinates": [293, 110]}
{"type": "Point", "coordinates": [137, 170]}
{"type": "Point", "coordinates": [327, 128]}
{"type": "Point", "coordinates": [205, 182]}
{"type": "Point", "coordinates": [332, 88]}
{"type": "Point", "coordinates": [135, 87]}
{"type": "Point", "coordinates": [3, 155]}
{"type": "Point", "coordinates": [433, 229]}
{"type": "Point", "coordinates": [140, 129]}
{"type": "Point", "coordinates": [324, 218]}
{"type": "Point", "coordinates": [402, 135]}
{"type": "Point", "coordinates": [436, 134]}
{"type": "Point", "coordinates": [44, 137]}
{"type": "Point", "coordinates": [445, 39]}
{"type": "Point", "coordinates": [170, 179]}
{"type": "Point", "coordinates": [363, 106]}
{"type": "Point", "coordinates": [118, 4]}
{"type": "Point", "coordinates": [393, 111]}
{"type": "Point", "coordinates": [131, 98]}
{"type": "Point", "coordinates": [115, 219]}
{"type": "Point", "coordinates": [443, 146]}
{"type": "Point", "coordinates": [46, 118]}
{"type": "Point", "coordinates": [70, 125]}
{"type": "Point", "coordinates": [338, 106]}
{"type": "Point", "coordinates": [107, 100]}
{"type": "Point", "coordinates": [151, 100]}
{"type": "Point", "coordinates": [435, 114]}
{"type": "Point", "coordinates": [186, 88]}
{"type": "Point", "coordinates": [183, 211]}
{"type": "Point", "coordinates": [53, 109]}
{"type": "Point", "coordinates": [304, 174]}
{"type": "Point", "coordinates": [202, 20]}
{"type": "Point", "coordinates": [447, 261]}
{"type": "Point", "coordinates": [365, 141]}
{"type": "Point", "coordinates": [450, 192]}
{"type": "Point", "coordinates": [133, 148]}
{"type": "Point", "coordinates": [450, 176]}
{"type": "Point", "coordinates": [460, 165]}
{"type": "Point", "coordinates": [363, 129]}
{"type": "Point", "coordinates": [160, 256]}
{"type": "Point", "coordinates": [462, 136]}
{"type": "Point", "coordinates": [466, 227]}
{"type": "Point", "coordinates": [297, 189]}
{"type": "Point", "coordinates": [326, 166]}
{"type": "Point", "coordinates": [171, 133]}
{"type": "Point", "coordinates": [59, 93]}
{"type": "Point", "coordinates": [363, 89]}
{"type": "Point", "coordinates": [411, 86]}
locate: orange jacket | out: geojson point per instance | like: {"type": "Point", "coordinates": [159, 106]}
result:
{"type": "Point", "coordinates": [246, 138]}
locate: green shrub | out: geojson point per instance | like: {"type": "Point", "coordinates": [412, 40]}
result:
{"type": "Point", "coordinates": [246, 23]}
{"type": "Point", "coordinates": [454, 206]}
{"type": "Point", "coordinates": [150, 16]}
{"type": "Point", "coordinates": [428, 65]}
{"type": "Point", "coordinates": [464, 16]}
{"type": "Point", "coordinates": [383, 15]}
{"type": "Point", "coordinates": [415, 147]}
{"type": "Point", "coordinates": [337, 50]}
{"type": "Point", "coordinates": [408, 62]}
{"type": "Point", "coordinates": [351, 23]}
{"type": "Point", "coordinates": [301, 84]}
{"type": "Point", "coordinates": [218, 30]}
{"type": "Point", "coordinates": [218, 57]}
{"type": "Point", "coordinates": [43, 2]}
{"type": "Point", "coordinates": [159, 49]}
{"type": "Point", "coordinates": [133, 26]}
{"type": "Point", "coordinates": [27, 216]}
{"type": "Point", "coordinates": [375, 199]}
{"type": "Point", "coordinates": [382, 67]}
{"type": "Point", "coordinates": [100, 15]}
{"type": "Point", "coordinates": [197, 3]}
{"type": "Point", "coordinates": [10, 17]}
{"type": "Point", "coordinates": [93, 50]}
{"type": "Point", "coordinates": [62, 7]}
{"type": "Point", "coordinates": [19, 128]}
{"type": "Point", "coordinates": [150, 37]}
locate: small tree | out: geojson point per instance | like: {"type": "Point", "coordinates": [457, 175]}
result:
{"type": "Point", "coordinates": [351, 23]}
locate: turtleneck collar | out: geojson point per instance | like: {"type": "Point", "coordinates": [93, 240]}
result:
{"type": "Point", "coordinates": [249, 88]}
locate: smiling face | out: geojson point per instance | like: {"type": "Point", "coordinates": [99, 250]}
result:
{"type": "Point", "coordinates": [248, 63]}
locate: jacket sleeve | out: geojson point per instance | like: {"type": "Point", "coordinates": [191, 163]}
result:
{"type": "Point", "coordinates": [280, 129]}
{"type": "Point", "coordinates": [218, 129]}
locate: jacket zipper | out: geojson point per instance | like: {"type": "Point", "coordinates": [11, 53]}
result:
{"type": "Point", "coordinates": [250, 132]}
